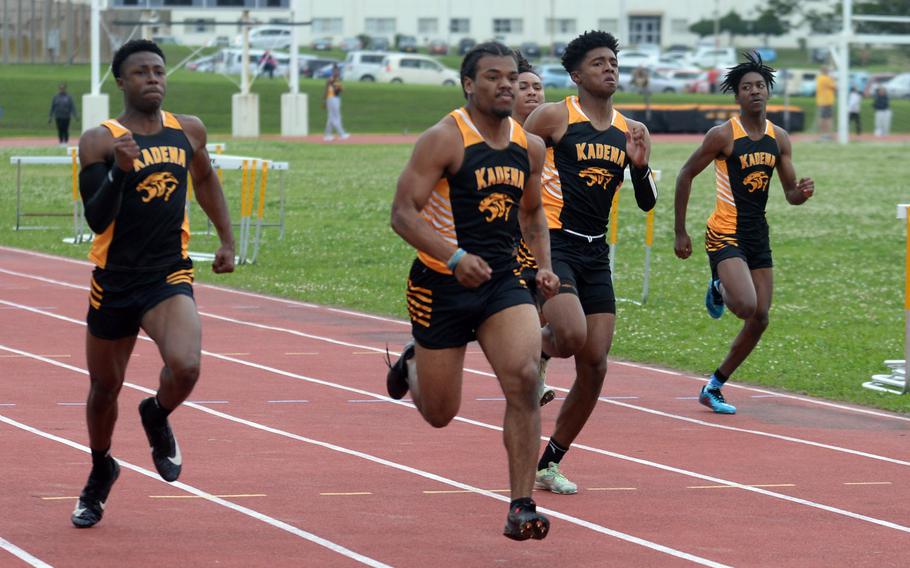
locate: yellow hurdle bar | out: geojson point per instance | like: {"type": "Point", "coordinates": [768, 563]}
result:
{"type": "Point", "coordinates": [263, 182]}
{"type": "Point", "coordinates": [614, 229]}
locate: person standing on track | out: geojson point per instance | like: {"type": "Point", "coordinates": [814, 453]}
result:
{"type": "Point", "coordinates": [745, 150]}
{"type": "Point", "coordinates": [591, 144]}
{"type": "Point", "coordinates": [470, 179]}
{"type": "Point", "coordinates": [133, 183]}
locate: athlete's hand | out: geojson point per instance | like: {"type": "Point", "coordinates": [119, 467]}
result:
{"type": "Point", "coordinates": [472, 271]}
{"type": "Point", "coordinates": [683, 246]}
{"type": "Point", "coordinates": [125, 151]}
{"type": "Point", "coordinates": [637, 144]}
{"type": "Point", "coordinates": [807, 187]}
{"type": "Point", "coordinates": [547, 282]}
{"type": "Point", "coordinates": [224, 260]}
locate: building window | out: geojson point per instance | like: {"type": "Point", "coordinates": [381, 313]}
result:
{"type": "Point", "coordinates": [609, 25]}
{"type": "Point", "coordinates": [507, 26]}
{"type": "Point", "coordinates": [199, 26]}
{"type": "Point", "coordinates": [460, 25]}
{"type": "Point", "coordinates": [380, 26]}
{"type": "Point", "coordinates": [560, 26]}
{"type": "Point", "coordinates": [644, 30]}
{"type": "Point", "coordinates": [229, 3]}
{"type": "Point", "coordinates": [178, 2]}
{"type": "Point", "coordinates": [427, 25]}
{"type": "Point", "coordinates": [327, 25]}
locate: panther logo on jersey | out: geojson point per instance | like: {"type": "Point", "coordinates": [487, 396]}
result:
{"type": "Point", "coordinates": [757, 181]}
{"type": "Point", "coordinates": [160, 184]}
{"type": "Point", "coordinates": [496, 205]}
{"type": "Point", "coordinates": [596, 176]}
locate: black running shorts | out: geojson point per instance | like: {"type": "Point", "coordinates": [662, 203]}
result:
{"type": "Point", "coordinates": [583, 268]}
{"type": "Point", "coordinates": [755, 252]}
{"type": "Point", "coordinates": [445, 314]}
{"type": "Point", "coordinates": [119, 299]}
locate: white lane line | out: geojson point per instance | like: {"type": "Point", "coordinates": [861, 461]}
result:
{"type": "Point", "coordinates": [210, 401]}
{"type": "Point", "coordinates": [23, 555]}
{"type": "Point", "coordinates": [639, 461]}
{"type": "Point", "coordinates": [355, 453]}
{"type": "Point", "coordinates": [290, 401]}
{"type": "Point", "coordinates": [71, 404]}
{"type": "Point", "coordinates": [337, 548]}
{"type": "Point", "coordinates": [296, 303]}
{"type": "Point", "coordinates": [7, 404]}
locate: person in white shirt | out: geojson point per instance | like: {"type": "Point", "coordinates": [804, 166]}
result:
{"type": "Point", "coordinates": [854, 102]}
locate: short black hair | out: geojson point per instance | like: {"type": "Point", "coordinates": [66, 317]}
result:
{"type": "Point", "coordinates": [131, 47]}
{"type": "Point", "coordinates": [580, 46]}
{"type": "Point", "coordinates": [524, 66]}
{"type": "Point", "coordinates": [469, 63]}
{"type": "Point", "coordinates": [752, 64]}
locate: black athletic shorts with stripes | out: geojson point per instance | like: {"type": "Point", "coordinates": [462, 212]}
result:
{"type": "Point", "coordinates": [755, 251]}
{"type": "Point", "coordinates": [119, 299]}
{"type": "Point", "coordinates": [583, 268]}
{"type": "Point", "coordinates": [445, 314]}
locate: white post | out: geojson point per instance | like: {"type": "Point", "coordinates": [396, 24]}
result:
{"type": "Point", "coordinates": [245, 57]}
{"type": "Point", "coordinates": [245, 105]}
{"type": "Point", "coordinates": [294, 104]}
{"type": "Point", "coordinates": [843, 75]}
{"type": "Point", "coordinates": [95, 104]}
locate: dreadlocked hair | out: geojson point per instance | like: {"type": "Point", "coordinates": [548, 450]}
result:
{"type": "Point", "coordinates": [752, 64]}
{"type": "Point", "coordinates": [580, 46]}
{"type": "Point", "coordinates": [524, 66]}
{"type": "Point", "coordinates": [469, 63]}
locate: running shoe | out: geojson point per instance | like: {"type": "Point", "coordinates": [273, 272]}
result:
{"type": "Point", "coordinates": [525, 522]}
{"type": "Point", "coordinates": [545, 393]}
{"type": "Point", "coordinates": [713, 399]}
{"type": "Point", "coordinates": [165, 451]}
{"type": "Point", "coordinates": [552, 479]}
{"type": "Point", "coordinates": [90, 506]}
{"type": "Point", "coordinates": [714, 301]}
{"type": "Point", "coordinates": [396, 380]}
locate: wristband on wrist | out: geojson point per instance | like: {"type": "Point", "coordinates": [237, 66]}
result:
{"type": "Point", "coordinates": [455, 259]}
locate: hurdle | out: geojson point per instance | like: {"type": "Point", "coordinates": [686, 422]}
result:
{"type": "Point", "coordinates": [613, 240]}
{"type": "Point", "coordinates": [896, 380]}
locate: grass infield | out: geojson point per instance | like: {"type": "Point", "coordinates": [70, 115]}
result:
{"type": "Point", "coordinates": [839, 259]}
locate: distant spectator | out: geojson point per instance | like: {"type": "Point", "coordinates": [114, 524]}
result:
{"type": "Point", "coordinates": [268, 64]}
{"type": "Point", "coordinates": [882, 107]}
{"type": "Point", "coordinates": [642, 82]}
{"type": "Point", "coordinates": [854, 103]}
{"type": "Point", "coordinates": [825, 89]}
{"type": "Point", "coordinates": [62, 109]}
{"type": "Point", "coordinates": [713, 76]}
{"type": "Point", "coordinates": [333, 105]}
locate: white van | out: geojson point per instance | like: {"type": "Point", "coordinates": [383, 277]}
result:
{"type": "Point", "coordinates": [267, 37]}
{"type": "Point", "coordinates": [362, 65]}
{"type": "Point", "coordinates": [229, 61]}
{"type": "Point", "coordinates": [419, 69]}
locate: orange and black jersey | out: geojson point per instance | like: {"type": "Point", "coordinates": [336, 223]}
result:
{"type": "Point", "coordinates": [742, 186]}
{"type": "Point", "coordinates": [151, 230]}
{"type": "Point", "coordinates": [590, 165]}
{"type": "Point", "coordinates": [476, 208]}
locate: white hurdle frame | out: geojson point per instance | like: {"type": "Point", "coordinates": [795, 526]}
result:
{"type": "Point", "coordinates": [613, 240]}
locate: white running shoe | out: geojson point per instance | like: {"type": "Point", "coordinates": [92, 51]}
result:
{"type": "Point", "coordinates": [553, 480]}
{"type": "Point", "coordinates": [544, 392]}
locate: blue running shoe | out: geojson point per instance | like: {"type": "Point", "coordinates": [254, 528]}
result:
{"type": "Point", "coordinates": [713, 399]}
{"type": "Point", "coordinates": [714, 301]}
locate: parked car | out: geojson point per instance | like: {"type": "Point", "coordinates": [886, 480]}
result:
{"type": "Point", "coordinates": [875, 80]}
{"type": "Point", "coordinates": [465, 45]}
{"type": "Point", "coordinates": [558, 48]}
{"type": "Point", "coordinates": [230, 61]}
{"type": "Point", "coordinates": [807, 83]}
{"type": "Point", "coordinates": [899, 86]}
{"type": "Point", "coordinates": [325, 71]}
{"type": "Point", "coordinates": [350, 44]}
{"type": "Point", "coordinates": [379, 43]}
{"type": "Point", "coordinates": [267, 37]}
{"type": "Point", "coordinates": [420, 69]}
{"type": "Point", "coordinates": [684, 79]}
{"type": "Point", "coordinates": [707, 57]}
{"type": "Point", "coordinates": [554, 76]}
{"type": "Point", "coordinates": [362, 65]}
{"type": "Point", "coordinates": [634, 58]}
{"type": "Point", "coordinates": [203, 64]}
{"type": "Point", "coordinates": [530, 50]}
{"type": "Point", "coordinates": [309, 67]}
{"type": "Point", "coordinates": [407, 44]}
{"type": "Point", "coordinates": [438, 47]}
{"type": "Point", "coordinates": [322, 44]}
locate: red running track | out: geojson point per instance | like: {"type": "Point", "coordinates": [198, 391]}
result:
{"type": "Point", "coordinates": [294, 456]}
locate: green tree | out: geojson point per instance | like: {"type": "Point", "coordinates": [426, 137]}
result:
{"type": "Point", "coordinates": [769, 24]}
{"type": "Point", "coordinates": [733, 24]}
{"type": "Point", "coordinates": [702, 28]}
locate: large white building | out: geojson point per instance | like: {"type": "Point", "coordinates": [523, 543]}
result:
{"type": "Point", "coordinates": [634, 22]}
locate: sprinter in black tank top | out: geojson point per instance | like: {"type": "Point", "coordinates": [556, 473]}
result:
{"type": "Point", "coordinates": [133, 183]}
{"type": "Point", "coordinates": [470, 177]}
{"type": "Point", "coordinates": [745, 151]}
{"type": "Point", "coordinates": [589, 145]}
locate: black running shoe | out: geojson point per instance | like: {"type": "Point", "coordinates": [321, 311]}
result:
{"type": "Point", "coordinates": [90, 507]}
{"type": "Point", "coordinates": [525, 522]}
{"type": "Point", "coordinates": [165, 451]}
{"type": "Point", "coordinates": [396, 380]}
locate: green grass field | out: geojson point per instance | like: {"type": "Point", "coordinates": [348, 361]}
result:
{"type": "Point", "coordinates": [839, 259]}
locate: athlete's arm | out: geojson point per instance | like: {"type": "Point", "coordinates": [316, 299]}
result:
{"type": "Point", "coordinates": [718, 142]}
{"type": "Point", "coordinates": [209, 193]}
{"type": "Point", "coordinates": [437, 151]}
{"type": "Point", "coordinates": [638, 150]}
{"type": "Point", "coordinates": [549, 121]}
{"type": "Point", "coordinates": [797, 192]}
{"type": "Point", "coordinates": [533, 221]}
{"type": "Point", "coordinates": [100, 185]}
